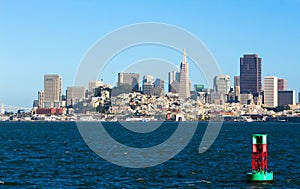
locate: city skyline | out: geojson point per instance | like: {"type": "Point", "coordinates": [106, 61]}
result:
{"type": "Point", "coordinates": [223, 91]}
{"type": "Point", "coordinates": [57, 93]}
{"type": "Point", "coordinates": [35, 41]}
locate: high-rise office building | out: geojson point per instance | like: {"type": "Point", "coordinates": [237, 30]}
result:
{"type": "Point", "coordinates": [237, 88]}
{"type": "Point", "coordinates": [271, 91]}
{"type": "Point", "coordinates": [250, 74]}
{"type": "Point", "coordinates": [286, 98]}
{"type": "Point", "coordinates": [222, 84]}
{"type": "Point", "coordinates": [75, 94]}
{"type": "Point", "coordinates": [158, 89]}
{"type": "Point", "coordinates": [281, 84]}
{"type": "Point", "coordinates": [148, 84]}
{"type": "Point", "coordinates": [184, 85]}
{"type": "Point", "coordinates": [132, 79]}
{"type": "Point", "coordinates": [173, 85]}
{"type": "Point", "coordinates": [221, 89]}
{"type": "Point", "coordinates": [52, 88]}
{"type": "Point", "coordinates": [41, 99]}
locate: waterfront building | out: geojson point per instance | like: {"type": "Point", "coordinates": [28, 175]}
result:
{"type": "Point", "coordinates": [75, 94]}
{"type": "Point", "coordinates": [132, 79]}
{"type": "Point", "coordinates": [184, 85]}
{"type": "Point", "coordinates": [237, 88]}
{"type": "Point", "coordinates": [271, 91]}
{"type": "Point", "coordinates": [52, 87]}
{"type": "Point", "coordinates": [49, 111]}
{"type": "Point", "coordinates": [250, 74]}
{"type": "Point", "coordinates": [281, 84]}
{"type": "Point", "coordinates": [286, 97]}
{"type": "Point", "coordinates": [41, 98]}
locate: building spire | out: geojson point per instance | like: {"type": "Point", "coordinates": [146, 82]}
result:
{"type": "Point", "coordinates": [184, 56]}
{"type": "Point", "coordinates": [184, 91]}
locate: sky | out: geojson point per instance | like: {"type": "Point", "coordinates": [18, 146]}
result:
{"type": "Point", "coordinates": [43, 37]}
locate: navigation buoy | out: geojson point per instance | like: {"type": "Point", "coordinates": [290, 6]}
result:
{"type": "Point", "coordinates": [260, 160]}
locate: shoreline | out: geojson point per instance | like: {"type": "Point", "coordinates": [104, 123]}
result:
{"type": "Point", "coordinates": [123, 121]}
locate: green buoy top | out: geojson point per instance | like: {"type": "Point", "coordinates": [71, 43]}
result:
{"type": "Point", "coordinates": [259, 139]}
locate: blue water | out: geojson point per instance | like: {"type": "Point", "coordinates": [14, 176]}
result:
{"type": "Point", "coordinates": [42, 155]}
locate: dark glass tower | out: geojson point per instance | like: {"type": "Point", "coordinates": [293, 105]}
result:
{"type": "Point", "coordinates": [250, 74]}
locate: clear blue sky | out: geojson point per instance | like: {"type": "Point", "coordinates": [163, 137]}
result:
{"type": "Point", "coordinates": [38, 37]}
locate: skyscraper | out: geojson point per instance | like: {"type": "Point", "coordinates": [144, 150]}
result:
{"type": "Point", "coordinates": [281, 84]}
{"type": "Point", "coordinates": [250, 74]}
{"type": "Point", "coordinates": [52, 88]}
{"type": "Point", "coordinates": [184, 89]}
{"type": "Point", "coordinates": [158, 89]}
{"type": "Point", "coordinates": [271, 91]}
{"type": "Point", "coordinates": [286, 98]}
{"type": "Point", "coordinates": [148, 84]}
{"type": "Point", "coordinates": [237, 88]}
{"type": "Point", "coordinates": [222, 84]}
{"type": "Point", "coordinates": [41, 99]}
{"type": "Point", "coordinates": [174, 81]}
{"type": "Point", "coordinates": [131, 79]}
{"type": "Point", "coordinates": [221, 89]}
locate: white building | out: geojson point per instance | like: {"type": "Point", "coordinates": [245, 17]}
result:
{"type": "Point", "coordinates": [271, 91]}
{"type": "Point", "coordinates": [222, 84]}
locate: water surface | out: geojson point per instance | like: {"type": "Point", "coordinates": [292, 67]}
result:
{"type": "Point", "coordinates": [53, 154]}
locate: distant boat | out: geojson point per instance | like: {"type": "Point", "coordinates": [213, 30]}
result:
{"type": "Point", "coordinates": [247, 119]}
